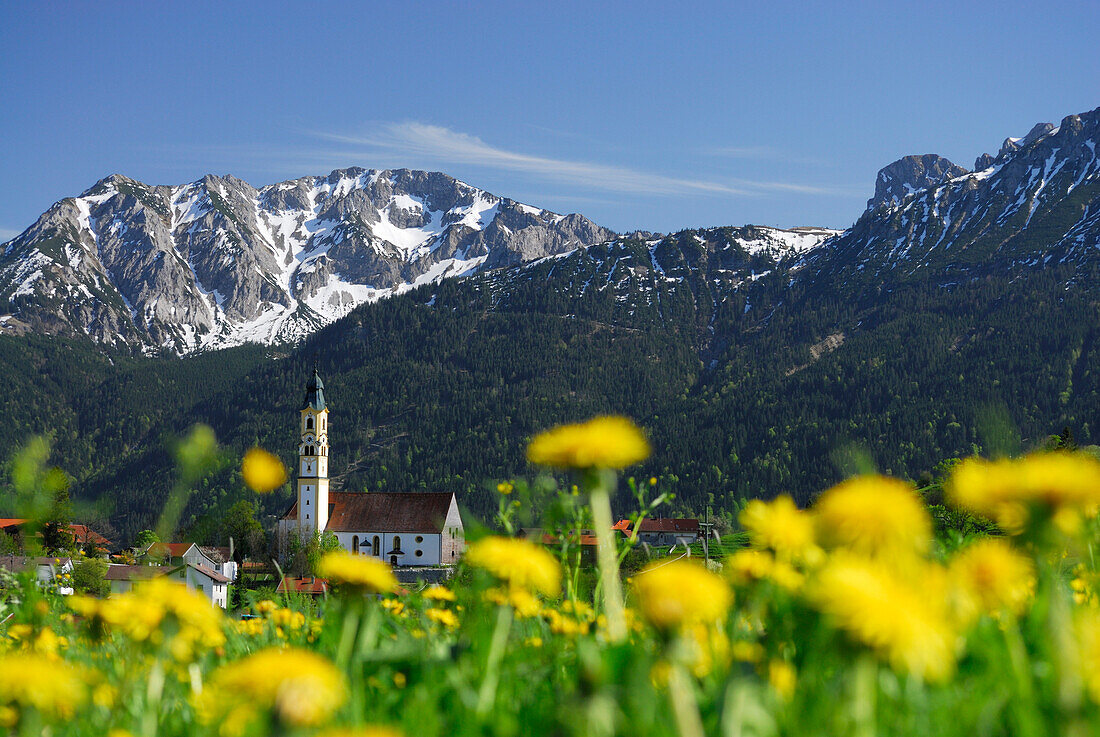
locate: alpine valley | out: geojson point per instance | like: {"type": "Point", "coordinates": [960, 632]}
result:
{"type": "Point", "coordinates": [959, 313]}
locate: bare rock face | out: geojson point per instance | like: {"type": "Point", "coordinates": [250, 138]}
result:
{"type": "Point", "coordinates": [907, 175]}
{"type": "Point", "coordinates": [1035, 205]}
{"type": "Point", "coordinates": [218, 262]}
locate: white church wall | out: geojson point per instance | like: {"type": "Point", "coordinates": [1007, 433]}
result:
{"type": "Point", "coordinates": [417, 548]}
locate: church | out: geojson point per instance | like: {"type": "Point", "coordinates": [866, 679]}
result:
{"type": "Point", "coordinates": [402, 529]}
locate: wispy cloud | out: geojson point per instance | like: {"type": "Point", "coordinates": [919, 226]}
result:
{"type": "Point", "coordinates": [764, 153]}
{"type": "Point", "coordinates": [436, 143]}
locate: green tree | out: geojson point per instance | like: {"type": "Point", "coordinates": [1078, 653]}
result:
{"type": "Point", "coordinates": [56, 536]}
{"type": "Point", "coordinates": [90, 577]}
{"type": "Point", "coordinates": [247, 533]}
{"type": "Point", "coordinates": [145, 538]}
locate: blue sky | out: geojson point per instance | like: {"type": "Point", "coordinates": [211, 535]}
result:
{"type": "Point", "coordinates": [641, 115]}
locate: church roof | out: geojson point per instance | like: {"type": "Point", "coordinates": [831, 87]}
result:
{"type": "Point", "coordinates": [351, 511]}
{"type": "Point", "coordinates": [315, 393]}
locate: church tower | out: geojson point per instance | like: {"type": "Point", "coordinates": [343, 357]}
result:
{"type": "Point", "coordinates": [313, 460]}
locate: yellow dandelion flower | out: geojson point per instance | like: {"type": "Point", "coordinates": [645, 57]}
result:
{"type": "Point", "coordinates": [520, 563]}
{"type": "Point", "coordinates": [994, 575]}
{"type": "Point", "coordinates": [533, 642]}
{"type": "Point", "coordinates": [444, 617]}
{"type": "Point", "coordinates": [438, 593]}
{"type": "Point", "coordinates": [747, 652]}
{"type": "Point", "coordinates": [874, 515]}
{"type": "Point", "coordinates": [267, 606]}
{"type": "Point", "coordinates": [1004, 489]}
{"type": "Point", "coordinates": [262, 471]}
{"type": "Point", "coordinates": [602, 442]}
{"type": "Point", "coordinates": [357, 571]}
{"type": "Point", "coordinates": [295, 687]}
{"type": "Point", "coordinates": [505, 488]}
{"type": "Point", "coordinates": [671, 595]}
{"type": "Point", "coordinates": [782, 677]}
{"type": "Point", "coordinates": [908, 627]}
{"type": "Point", "coordinates": [372, 731]}
{"type": "Point", "coordinates": [32, 681]}
{"type": "Point", "coordinates": [782, 527]}
{"type": "Point", "coordinates": [748, 566]}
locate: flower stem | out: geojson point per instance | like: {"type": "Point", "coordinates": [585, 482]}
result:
{"type": "Point", "coordinates": [607, 554]}
{"type": "Point", "coordinates": [487, 693]}
{"type": "Point", "coordinates": [684, 706]}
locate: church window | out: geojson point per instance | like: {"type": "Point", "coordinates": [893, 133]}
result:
{"type": "Point", "coordinates": [309, 422]}
{"type": "Point", "coordinates": [396, 542]}
{"type": "Point", "coordinates": [376, 544]}
{"type": "Point", "coordinates": [355, 544]}
{"type": "Point", "coordinates": [420, 538]}
{"type": "Point", "coordinates": [307, 502]}
{"type": "Point", "coordinates": [419, 553]}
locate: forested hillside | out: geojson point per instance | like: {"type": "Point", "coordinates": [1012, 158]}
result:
{"type": "Point", "coordinates": [746, 387]}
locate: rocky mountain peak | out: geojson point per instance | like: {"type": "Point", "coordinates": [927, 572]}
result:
{"type": "Point", "coordinates": [909, 174]}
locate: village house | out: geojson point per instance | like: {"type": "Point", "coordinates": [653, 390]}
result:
{"type": "Point", "coordinates": [212, 558]}
{"type": "Point", "coordinates": [665, 531]}
{"type": "Point", "coordinates": [82, 534]}
{"type": "Point", "coordinates": [403, 529]}
{"type": "Point", "coordinates": [49, 571]}
{"type": "Point", "coordinates": [209, 583]}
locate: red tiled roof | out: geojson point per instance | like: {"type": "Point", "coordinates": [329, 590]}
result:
{"type": "Point", "coordinates": [84, 534]}
{"type": "Point", "coordinates": [11, 522]}
{"type": "Point", "coordinates": [351, 511]}
{"type": "Point", "coordinates": [669, 525]}
{"type": "Point", "coordinates": [305, 585]}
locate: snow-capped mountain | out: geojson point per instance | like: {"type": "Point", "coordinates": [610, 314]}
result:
{"type": "Point", "coordinates": [1036, 203]}
{"type": "Point", "coordinates": [217, 262]}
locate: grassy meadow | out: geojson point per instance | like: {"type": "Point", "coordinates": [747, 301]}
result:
{"type": "Point", "coordinates": [847, 618]}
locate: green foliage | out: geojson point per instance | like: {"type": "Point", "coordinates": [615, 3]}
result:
{"type": "Point", "coordinates": [90, 577]}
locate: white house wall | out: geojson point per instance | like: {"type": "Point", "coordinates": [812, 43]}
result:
{"type": "Point", "coordinates": [429, 546]}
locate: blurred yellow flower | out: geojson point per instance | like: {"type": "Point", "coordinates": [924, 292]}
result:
{"type": "Point", "coordinates": [782, 527]}
{"type": "Point", "coordinates": [262, 471]}
{"type": "Point", "coordinates": [1003, 489]}
{"type": "Point", "coordinates": [602, 442]}
{"type": "Point", "coordinates": [438, 593]}
{"type": "Point", "coordinates": [372, 731]}
{"type": "Point", "coordinates": [876, 605]}
{"type": "Point", "coordinates": [520, 563]}
{"type": "Point", "coordinates": [32, 681]}
{"type": "Point", "coordinates": [444, 617]}
{"type": "Point", "coordinates": [360, 572]}
{"type": "Point", "coordinates": [505, 488]}
{"type": "Point", "coordinates": [678, 593]}
{"type": "Point", "coordinates": [873, 515]}
{"type": "Point", "coordinates": [748, 566]}
{"type": "Point", "coordinates": [782, 677]}
{"type": "Point", "coordinates": [296, 687]}
{"type": "Point", "coordinates": [153, 608]}
{"type": "Point", "coordinates": [369, 731]}
{"type": "Point", "coordinates": [994, 575]}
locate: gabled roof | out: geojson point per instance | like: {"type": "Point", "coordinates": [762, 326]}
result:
{"type": "Point", "coordinates": [212, 575]}
{"type": "Point", "coordinates": [215, 553]}
{"type": "Point", "coordinates": [176, 550]}
{"type": "Point", "coordinates": [18, 563]}
{"type": "Point", "coordinates": [351, 511]}
{"type": "Point", "coordinates": [85, 534]}
{"type": "Point", "coordinates": [118, 572]}
{"type": "Point", "coordinates": [669, 525]}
